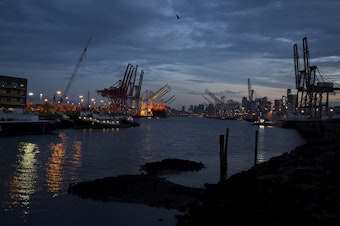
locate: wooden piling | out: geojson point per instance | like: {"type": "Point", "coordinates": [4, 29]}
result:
{"type": "Point", "coordinates": [226, 153]}
{"type": "Point", "coordinates": [222, 159]}
{"type": "Point", "coordinates": [256, 141]}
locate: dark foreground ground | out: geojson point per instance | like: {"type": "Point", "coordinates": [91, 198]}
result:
{"type": "Point", "coordinates": [301, 187]}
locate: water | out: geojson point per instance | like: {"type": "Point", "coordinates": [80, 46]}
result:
{"type": "Point", "coordinates": [37, 170]}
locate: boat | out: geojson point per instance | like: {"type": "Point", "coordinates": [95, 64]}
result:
{"type": "Point", "coordinates": [161, 111]}
{"type": "Point", "coordinates": [263, 122]}
{"type": "Point", "coordinates": [91, 120]}
{"type": "Point", "coordinates": [127, 120]}
{"type": "Point", "coordinates": [65, 120]}
{"type": "Point", "coordinates": [15, 121]}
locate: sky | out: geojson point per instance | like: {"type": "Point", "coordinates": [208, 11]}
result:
{"type": "Point", "coordinates": [216, 45]}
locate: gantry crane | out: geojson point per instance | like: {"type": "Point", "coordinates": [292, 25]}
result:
{"type": "Point", "coordinates": [151, 100]}
{"type": "Point", "coordinates": [73, 75]}
{"type": "Point", "coordinates": [124, 94]}
{"type": "Point", "coordinates": [206, 98]}
{"type": "Point", "coordinates": [310, 86]}
{"type": "Point", "coordinates": [217, 101]}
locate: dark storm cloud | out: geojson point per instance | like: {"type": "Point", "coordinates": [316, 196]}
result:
{"type": "Point", "coordinates": [215, 45]}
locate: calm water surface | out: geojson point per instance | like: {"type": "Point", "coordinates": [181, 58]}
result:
{"type": "Point", "coordinates": [35, 171]}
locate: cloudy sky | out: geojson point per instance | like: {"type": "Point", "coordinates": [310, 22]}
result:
{"type": "Point", "coordinates": [215, 45]}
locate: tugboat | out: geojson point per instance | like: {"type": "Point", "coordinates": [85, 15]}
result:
{"type": "Point", "coordinates": [92, 120]}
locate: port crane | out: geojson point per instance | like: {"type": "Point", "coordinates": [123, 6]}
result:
{"type": "Point", "coordinates": [75, 70]}
{"type": "Point", "coordinates": [160, 93]}
{"type": "Point", "coordinates": [170, 100]}
{"type": "Point", "coordinates": [206, 98]}
{"type": "Point", "coordinates": [151, 101]}
{"type": "Point", "coordinates": [217, 101]}
{"type": "Point", "coordinates": [311, 86]}
{"type": "Point", "coordinates": [125, 94]}
{"type": "Point", "coordinates": [223, 106]}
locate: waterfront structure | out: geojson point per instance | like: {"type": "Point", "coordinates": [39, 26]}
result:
{"type": "Point", "coordinates": [312, 89]}
{"type": "Point", "coordinates": [14, 120]}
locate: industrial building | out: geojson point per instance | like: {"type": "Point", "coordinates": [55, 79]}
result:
{"type": "Point", "coordinates": [13, 92]}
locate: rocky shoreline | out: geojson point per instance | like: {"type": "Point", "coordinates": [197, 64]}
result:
{"type": "Point", "coordinates": [301, 187]}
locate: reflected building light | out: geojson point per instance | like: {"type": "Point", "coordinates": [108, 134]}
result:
{"type": "Point", "coordinates": [22, 185]}
{"type": "Point", "coordinates": [55, 175]}
{"type": "Point", "coordinates": [261, 157]}
{"type": "Point", "coordinates": [76, 159]}
{"type": "Point", "coordinates": [55, 169]}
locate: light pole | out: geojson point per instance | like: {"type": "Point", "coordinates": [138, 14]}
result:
{"type": "Point", "coordinates": [30, 94]}
{"type": "Point", "coordinates": [81, 97]}
{"type": "Point", "coordinates": [59, 97]}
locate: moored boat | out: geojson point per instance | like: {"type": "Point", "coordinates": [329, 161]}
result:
{"type": "Point", "coordinates": [161, 111]}
{"type": "Point", "coordinates": [263, 122]}
{"type": "Point", "coordinates": [19, 122]}
{"type": "Point", "coordinates": [90, 120]}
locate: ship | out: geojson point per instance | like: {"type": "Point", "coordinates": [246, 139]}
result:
{"type": "Point", "coordinates": [161, 111]}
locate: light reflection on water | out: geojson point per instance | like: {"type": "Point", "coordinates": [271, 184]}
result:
{"type": "Point", "coordinates": [23, 182]}
{"type": "Point", "coordinates": [262, 152]}
{"type": "Point", "coordinates": [65, 158]}
{"type": "Point", "coordinates": [39, 169]}
{"type": "Point", "coordinates": [54, 169]}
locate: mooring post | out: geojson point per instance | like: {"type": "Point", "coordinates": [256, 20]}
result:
{"type": "Point", "coordinates": [222, 159]}
{"type": "Point", "coordinates": [226, 153]}
{"type": "Point", "coordinates": [256, 140]}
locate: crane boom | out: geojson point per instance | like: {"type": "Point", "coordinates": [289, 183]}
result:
{"type": "Point", "coordinates": [81, 58]}
{"type": "Point", "coordinates": [218, 101]}
{"type": "Point", "coordinates": [207, 99]}
{"type": "Point", "coordinates": [161, 92]}
{"type": "Point", "coordinates": [139, 86]}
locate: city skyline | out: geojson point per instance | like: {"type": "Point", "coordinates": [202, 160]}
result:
{"type": "Point", "coordinates": [189, 45]}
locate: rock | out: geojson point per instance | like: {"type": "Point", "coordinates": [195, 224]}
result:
{"type": "Point", "coordinates": [144, 189]}
{"type": "Point", "coordinates": [171, 165]}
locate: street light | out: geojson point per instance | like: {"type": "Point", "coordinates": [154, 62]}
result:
{"type": "Point", "coordinates": [81, 97]}
{"type": "Point", "coordinates": [30, 94]}
{"type": "Point", "coordinates": [59, 97]}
